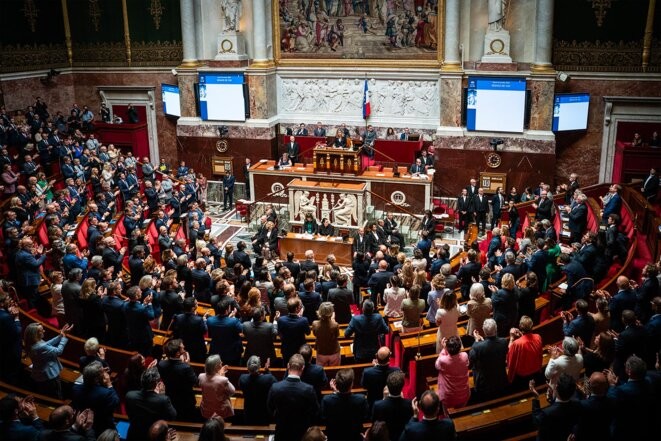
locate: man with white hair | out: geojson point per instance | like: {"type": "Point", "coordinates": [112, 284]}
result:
{"type": "Point", "coordinates": [488, 362]}
{"type": "Point", "coordinates": [578, 218]}
{"type": "Point", "coordinates": [256, 386]}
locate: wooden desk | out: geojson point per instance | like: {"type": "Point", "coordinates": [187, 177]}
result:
{"type": "Point", "coordinates": [333, 160]}
{"type": "Point", "coordinates": [411, 194]}
{"type": "Point", "coordinates": [321, 246]}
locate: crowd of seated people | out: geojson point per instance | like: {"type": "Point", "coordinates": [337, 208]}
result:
{"type": "Point", "coordinates": [118, 295]}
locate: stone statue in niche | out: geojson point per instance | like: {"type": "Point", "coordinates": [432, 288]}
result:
{"type": "Point", "coordinates": [496, 14]}
{"type": "Point", "coordinates": [345, 209]}
{"type": "Point", "coordinates": [232, 10]}
{"type": "Point", "coordinates": [497, 38]}
{"type": "Point", "coordinates": [304, 204]}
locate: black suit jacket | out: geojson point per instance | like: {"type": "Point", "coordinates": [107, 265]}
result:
{"type": "Point", "coordinates": [255, 393]}
{"type": "Point", "coordinates": [191, 328]}
{"type": "Point", "coordinates": [425, 430]}
{"type": "Point", "coordinates": [344, 415]}
{"type": "Point", "coordinates": [650, 186]}
{"type": "Point", "coordinates": [315, 376]}
{"type": "Point", "coordinates": [294, 407]}
{"type": "Point", "coordinates": [68, 435]}
{"type": "Point", "coordinates": [341, 298]}
{"type": "Point", "coordinates": [593, 414]}
{"type": "Point", "coordinates": [544, 209]}
{"type": "Point", "coordinates": [144, 408]}
{"type": "Point", "coordinates": [360, 244]}
{"type": "Point", "coordinates": [395, 412]}
{"type": "Point", "coordinates": [556, 421]}
{"type": "Point", "coordinates": [293, 149]}
{"type": "Point", "coordinates": [488, 360]}
{"type": "Point", "coordinates": [259, 340]}
{"type": "Point", "coordinates": [578, 218]}
{"type": "Point", "coordinates": [179, 379]}
{"type": "Point", "coordinates": [480, 206]}
{"type": "Point", "coordinates": [374, 380]}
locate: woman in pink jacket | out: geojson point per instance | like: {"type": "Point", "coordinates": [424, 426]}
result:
{"type": "Point", "coordinates": [452, 366]}
{"type": "Point", "coordinates": [216, 389]}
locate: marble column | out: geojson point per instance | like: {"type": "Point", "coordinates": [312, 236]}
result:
{"type": "Point", "coordinates": [187, 77]}
{"type": "Point", "coordinates": [544, 38]}
{"type": "Point", "coordinates": [198, 29]}
{"type": "Point", "coordinates": [259, 25]}
{"type": "Point", "coordinates": [188, 33]}
{"type": "Point", "coordinates": [452, 60]}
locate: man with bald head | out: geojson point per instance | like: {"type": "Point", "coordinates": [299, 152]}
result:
{"type": "Point", "coordinates": [375, 378]}
{"type": "Point", "coordinates": [596, 411]}
{"type": "Point", "coordinates": [624, 299]}
{"type": "Point", "coordinates": [379, 280]}
{"type": "Point", "coordinates": [67, 426]}
{"type": "Point", "coordinates": [159, 431]}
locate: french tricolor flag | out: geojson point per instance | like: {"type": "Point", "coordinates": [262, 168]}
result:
{"type": "Point", "coordinates": [366, 101]}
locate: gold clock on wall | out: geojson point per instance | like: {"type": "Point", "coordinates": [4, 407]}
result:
{"type": "Point", "coordinates": [494, 160]}
{"type": "Point", "coordinates": [222, 145]}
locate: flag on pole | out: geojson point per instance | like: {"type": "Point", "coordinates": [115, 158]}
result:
{"type": "Point", "coordinates": [366, 101]}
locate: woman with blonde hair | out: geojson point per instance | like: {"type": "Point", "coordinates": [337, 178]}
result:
{"type": "Point", "coordinates": [438, 290]}
{"type": "Point", "coordinates": [505, 305]}
{"type": "Point", "coordinates": [327, 332]}
{"type": "Point", "coordinates": [419, 262]}
{"type": "Point", "coordinates": [447, 316]}
{"type": "Point", "coordinates": [46, 366]}
{"type": "Point", "coordinates": [146, 285]}
{"type": "Point", "coordinates": [478, 309]}
{"type": "Point", "coordinates": [401, 258]}
{"type": "Point", "coordinates": [216, 389]}
{"type": "Point", "coordinates": [408, 275]}
{"type": "Point", "coordinates": [393, 296]}
{"type": "Point", "coordinates": [93, 320]}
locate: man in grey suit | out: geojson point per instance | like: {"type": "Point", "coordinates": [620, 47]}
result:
{"type": "Point", "coordinates": [260, 335]}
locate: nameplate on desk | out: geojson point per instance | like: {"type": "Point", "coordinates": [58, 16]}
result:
{"type": "Point", "coordinates": [380, 174]}
{"type": "Point", "coordinates": [300, 168]}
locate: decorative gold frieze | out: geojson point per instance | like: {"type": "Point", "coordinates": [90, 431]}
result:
{"type": "Point", "coordinates": [156, 53]}
{"type": "Point", "coordinates": [101, 53]}
{"type": "Point", "coordinates": [17, 58]}
{"type": "Point", "coordinates": [606, 56]}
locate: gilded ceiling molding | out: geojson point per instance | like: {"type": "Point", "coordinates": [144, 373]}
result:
{"type": "Point", "coordinates": [156, 10]}
{"type": "Point", "coordinates": [31, 13]}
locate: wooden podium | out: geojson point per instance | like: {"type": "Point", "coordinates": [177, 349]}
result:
{"type": "Point", "coordinates": [333, 160]}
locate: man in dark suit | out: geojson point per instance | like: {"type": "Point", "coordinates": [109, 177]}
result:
{"type": "Point", "coordinates": [225, 333]}
{"type": "Point", "coordinates": [256, 387]}
{"type": "Point", "coordinates": [311, 300]}
{"type": "Point", "coordinates": [549, 230]}
{"type": "Point", "coordinates": [537, 261]}
{"type": "Point", "coordinates": [578, 218]}
{"type": "Point", "coordinates": [112, 257]}
{"type": "Point", "coordinates": [360, 242]}
{"type": "Point", "coordinates": [497, 204]}
{"type": "Point", "coordinates": [417, 168]}
{"type": "Point", "coordinates": [393, 409]}
{"type": "Point", "coordinates": [65, 425]}
{"type": "Point", "coordinates": [96, 393]}
{"type": "Point", "coordinates": [480, 209]}
{"type": "Point", "coordinates": [653, 330]}
{"type": "Point", "coordinates": [612, 202]}
{"type": "Point", "coordinates": [511, 267]}
{"type": "Point", "coordinates": [543, 206]}
{"type": "Point", "coordinates": [20, 419]}
{"type": "Point", "coordinates": [28, 266]}
{"type": "Point", "coordinates": [70, 291]}
{"type": "Point", "coordinates": [136, 262]}
{"type": "Point", "coordinates": [375, 377]}
{"type": "Point", "coordinates": [202, 283]}
{"type": "Point", "coordinates": [596, 411]}
{"type": "Point", "coordinates": [301, 130]}
{"type": "Point", "coordinates": [10, 340]}
{"type": "Point", "coordinates": [631, 341]}
{"type": "Point", "coordinates": [464, 209]}
{"type": "Point", "coordinates": [293, 149]}
{"type": "Point", "coordinates": [259, 335]}
{"type": "Point", "coordinates": [191, 328]}
{"type": "Point", "coordinates": [635, 402]}
{"type": "Point", "coordinates": [292, 403]}
{"type": "Point", "coordinates": [494, 249]}
{"type": "Point", "coordinates": [292, 265]}
{"type": "Point", "coordinates": [379, 280]}
{"type": "Point", "coordinates": [228, 188]}
{"type": "Point", "coordinates": [374, 238]}
{"type": "Point", "coordinates": [146, 406]}
{"type": "Point", "coordinates": [430, 427]}
{"type": "Point", "coordinates": [344, 412]}
{"type": "Point", "coordinates": [113, 307]}
{"type": "Point", "coordinates": [313, 374]}
{"type": "Point", "coordinates": [582, 326]}
{"type": "Point", "coordinates": [341, 298]}
{"type": "Point", "coordinates": [469, 269]}
{"type": "Point", "coordinates": [319, 130]}
{"type": "Point", "coordinates": [650, 186]}
{"type": "Point", "coordinates": [556, 421]}
{"type": "Point", "coordinates": [488, 360]}
{"type": "Point", "coordinates": [624, 299]}
{"type": "Point", "coordinates": [179, 379]}
{"type": "Point", "coordinates": [138, 317]}
{"type": "Point", "coordinates": [293, 328]}
{"type": "Point", "coordinates": [240, 256]}
{"type": "Point", "coordinates": [308, 264]}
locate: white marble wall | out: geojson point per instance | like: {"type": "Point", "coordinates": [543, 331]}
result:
{"type": "Point", "coordinates": [398, 99]}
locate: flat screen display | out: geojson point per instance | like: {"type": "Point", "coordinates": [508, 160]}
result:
{"type": "Point", "coordinates": [222, 97]}
{"type": "Point", "coordinates": [570, 111]}
{"type": "Point", "coordinates": [170, 96]}
{"type": "Point", "coordinates": [496, 104]}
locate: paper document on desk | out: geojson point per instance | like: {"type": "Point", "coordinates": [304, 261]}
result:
{"type": "Point", "coordinates": [563, 286]}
